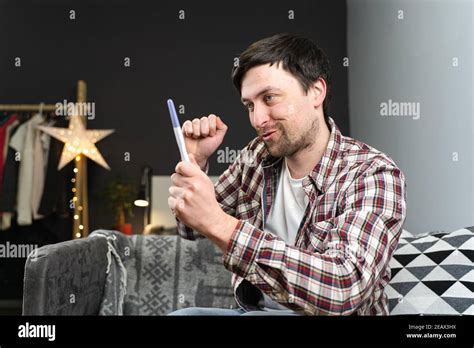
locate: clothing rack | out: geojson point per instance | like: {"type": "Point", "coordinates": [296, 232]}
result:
{"type": "Point", "coordinates": [27, 107]}
{"type": "Point", "coordinates": [81, 206]}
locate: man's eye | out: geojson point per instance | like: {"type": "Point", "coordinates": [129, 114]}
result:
{"type": "Point", "coordinates": [249, 106]}
{"type": "Point", "coordinates": [268, 98]}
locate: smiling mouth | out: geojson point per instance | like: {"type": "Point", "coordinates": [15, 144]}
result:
{"type": "Point", "coordinates": [268, 135]}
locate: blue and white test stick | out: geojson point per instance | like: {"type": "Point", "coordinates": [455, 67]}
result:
{"type": "Point", "coordinates": [178, 133]}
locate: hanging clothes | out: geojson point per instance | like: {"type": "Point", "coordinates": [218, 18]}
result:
{"type": "Point", "coordinates": [4, 117]}
{"type": "Point", "coordinates": [10, 124]}
{"type": "Point", "coordinates": [23, 141]}
{"type": "Point", "coordinates": [40, 161]}
{"type": "Point", "coordinates": [57, 185]}
{"type": "Point", "coordinates": [6, 124]}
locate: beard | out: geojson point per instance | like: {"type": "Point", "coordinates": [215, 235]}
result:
{"type": "Point", "coordinates": [287, 145]}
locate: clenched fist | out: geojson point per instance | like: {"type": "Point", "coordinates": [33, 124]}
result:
{"type": "Point", "coordinates": [203, 136]}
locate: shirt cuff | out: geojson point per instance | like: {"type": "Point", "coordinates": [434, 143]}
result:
{"type": "Point", "coordinates": [206, 168]}
{"type": "Point", "coordinates": [243, 249]}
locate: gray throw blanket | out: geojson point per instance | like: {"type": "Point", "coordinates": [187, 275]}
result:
{"type": "Point", "coordinates": [116, 278]}
{"type": "Point", "coordinates": [155, 275]}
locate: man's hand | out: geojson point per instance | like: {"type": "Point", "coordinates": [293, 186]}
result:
{"type": "Point", "coordinates": [203, 136]}
{"type": "Point", "coordinates": [193, 201]}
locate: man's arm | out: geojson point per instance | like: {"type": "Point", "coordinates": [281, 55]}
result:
{"type": "Point", "coordinates": [361, 241]}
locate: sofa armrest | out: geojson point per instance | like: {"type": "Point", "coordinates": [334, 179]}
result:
{"type": "Point", "coordinates": [66, 278]}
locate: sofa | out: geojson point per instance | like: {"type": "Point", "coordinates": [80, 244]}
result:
{"type": "Point", "coordinates": [109, 273]}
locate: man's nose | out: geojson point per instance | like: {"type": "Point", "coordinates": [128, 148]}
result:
{"type": "Point", "coordinates": [260, 116]}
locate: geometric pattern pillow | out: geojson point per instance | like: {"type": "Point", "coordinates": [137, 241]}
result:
{"type": "Point", "coordinates": [433, 274]}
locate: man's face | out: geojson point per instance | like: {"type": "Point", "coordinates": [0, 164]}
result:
{"type": "Point", "coordinates": [283, 116]}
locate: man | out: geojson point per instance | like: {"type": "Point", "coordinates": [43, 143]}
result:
{"type": "Point", "coordinates": [308, 225]}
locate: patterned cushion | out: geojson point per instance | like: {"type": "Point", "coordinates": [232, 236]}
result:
{"type": "Point", "coordinates": [433, 274]}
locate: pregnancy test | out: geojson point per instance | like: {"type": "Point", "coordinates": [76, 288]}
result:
{"type": "Point", "coordinates": [178, 133]}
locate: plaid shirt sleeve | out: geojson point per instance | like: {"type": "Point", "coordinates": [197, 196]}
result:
{"type": "Point", "coordinates": [359, 244]}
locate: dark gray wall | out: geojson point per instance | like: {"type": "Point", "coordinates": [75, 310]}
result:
{"type": "Point", "coordinates": [189, 60]}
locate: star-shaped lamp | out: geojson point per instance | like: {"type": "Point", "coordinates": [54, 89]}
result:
{"type": "Point", "coordinates": [78, 140]}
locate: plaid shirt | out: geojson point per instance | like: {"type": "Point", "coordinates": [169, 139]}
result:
{"type": "Point", "coordinates": [339, 264]}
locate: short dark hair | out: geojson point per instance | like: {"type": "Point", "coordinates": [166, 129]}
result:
{"type": "Point", "coordinates": [299, 56]}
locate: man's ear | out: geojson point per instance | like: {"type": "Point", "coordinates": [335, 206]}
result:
{"type": "Point", "coordinates": [318, 89]}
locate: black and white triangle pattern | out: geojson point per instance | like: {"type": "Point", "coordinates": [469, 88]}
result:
{"type": "Point", "coordinates": [433, 274]}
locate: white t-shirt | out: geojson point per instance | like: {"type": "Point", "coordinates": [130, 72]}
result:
{"type": "Point", "coordinates": [285, 217]}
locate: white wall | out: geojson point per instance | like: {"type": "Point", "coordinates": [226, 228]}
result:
{"type": "Point", "coordinates": [160, 212]}
{"type": "Point", "coordinates": [411, 60]}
